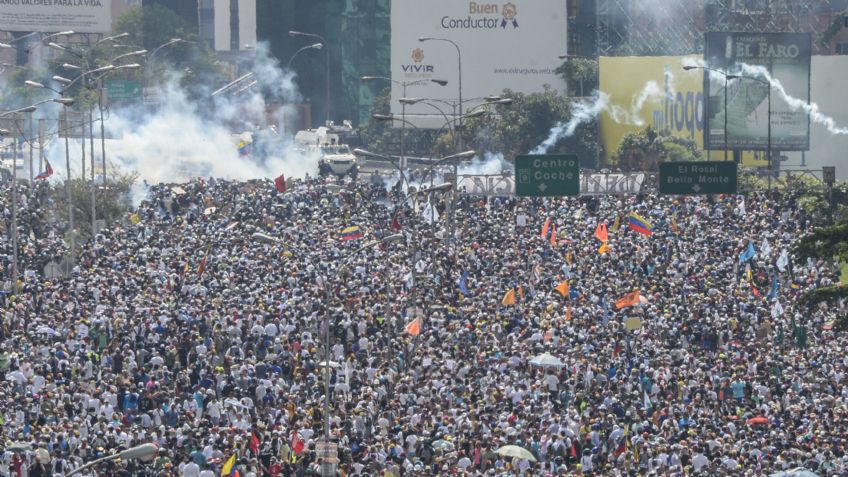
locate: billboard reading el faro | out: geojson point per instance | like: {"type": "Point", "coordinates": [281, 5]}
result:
{"type": "Point", "coordinates": [786, 57]}
{"type": "Point", "coordinates": [502, 43]}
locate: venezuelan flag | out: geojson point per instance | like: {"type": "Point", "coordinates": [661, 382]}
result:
{"type": "Point", "coordinates": [639, 224]}
{"type": "Point", "coordinates": [244, 148]}
{"type": "Point", "coordinates": [351, 233]}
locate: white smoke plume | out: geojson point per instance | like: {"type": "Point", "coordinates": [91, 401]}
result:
{"type": "Point", "coordinates": [587, 110]}
{"type": "Point", "coordinates": [812, 109]}
{"type": "Point", "coordinates": [758, 71]}
{"type": "Point", "coordinates": [179, 141]}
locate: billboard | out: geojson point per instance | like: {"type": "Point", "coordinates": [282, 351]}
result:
{"type": "Point", "coordinates": [502, 44]}
{"type": "Point", "coordinates": [786, 56]}
{"type": "Point", "coordinates": [677, 109]}
{"type": "Point", "coordinates": [81, 16]}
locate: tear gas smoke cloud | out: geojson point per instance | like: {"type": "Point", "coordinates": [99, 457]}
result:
{"type": "Point", "coordinates": [179, 141]}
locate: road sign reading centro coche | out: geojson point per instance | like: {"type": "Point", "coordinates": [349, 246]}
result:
{"type": "Point", "coordinates": [547, 175]}
{"type": "Point", "coordinates": [705, 177]}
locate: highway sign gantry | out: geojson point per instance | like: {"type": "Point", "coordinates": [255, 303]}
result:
{"type": "Point", "coordinates": [702, 177]}
{"type": "Point", "coordinates": [547, 175]}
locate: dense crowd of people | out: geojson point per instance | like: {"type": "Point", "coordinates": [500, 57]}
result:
{"type": "Point", "coordinates": [197, 324]}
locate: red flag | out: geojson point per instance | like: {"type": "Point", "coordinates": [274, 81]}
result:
{"type": "Point", "coordinates": [280, 183]}
{"type": "Point", "coordinates": [396, 225]}
{"type": "Point", "coordinates": [296, 443]}
{"type": "Point", "coordinates": [756, 292]}
{"type": "Point", "coordinates": [201, 267]}
{"type": "Point", "coordinates": [601, 232]}
{"type": "Point", "coordinates": [546, 227]}
{"type": "Point", "coordinates": [554, 237]}
{"type": "Point", "coordinates": [254, 443]}
{"type": "Point", "coordinates": [414, 327]}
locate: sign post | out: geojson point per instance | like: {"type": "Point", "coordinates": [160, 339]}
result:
{"type": "Point", "coordinates": [702, 177]}
{"type": "Point", "coordinates": [548, 175]}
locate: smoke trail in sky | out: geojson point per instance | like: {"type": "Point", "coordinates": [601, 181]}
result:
{"type": "Point", "coordinates": [587, 110]}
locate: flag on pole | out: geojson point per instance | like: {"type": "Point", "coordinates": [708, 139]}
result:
{"type": "Point", "coordinates": [509, 297]}
{"type": "Point", "coordinates": [774, 286]}
{"type": "Point", "coordinates": [748, 254]}
{"type": "Point", "coordinates": [562, 288]}
{"type": "Point", "coordinates": [296, 443]}
{"type": "Point", "coordinates": [227, 469]}
{"type": "Point", "coordinates": [47, 172]}
{"type": "Point", "coordinates": [629, 299]}
{"type": "Point", "coordinates": [765, 247]}
{"type": "Point", "coordinates": [545, 227]}
{"type": "Point", "coordinates": [254, 443]}
{"type": "Point", "coordinates": [280, 183]}
{"type": "Point", "coordinates": [463, 283]}
{"type": "Point", "coordinates": [568, 313]}
{"type": "Point", "coordinates": [616, 224]}
{"type": "Point", "coordinates": [639, 224]}
{"type": "Point", "coordinates": [396, 223]}
{"type": "Point", "coordinates": [783, 260]}
{"type": "Point", "coordinates": [601, 232]}
{"type": "Point", "coordinates": [776, 310]}
{"type": "Point", "coordinates": [674, 227]}
{"type": "Point", "coordinates": [351, 233]}
{"type": "Point", "coordinates": [520, 292]}
{"type": "Point", "coordinates": [414, 327]}
{"type": "Point", "coordinates": [755, 291]}
{"type": "Point", "coordinates": [554, 236]}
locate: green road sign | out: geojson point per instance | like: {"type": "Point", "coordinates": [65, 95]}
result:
{"type": "Point", "coordinates": [122, 91]}
{"type": "Point", "coordinates": [547, 175]}
{"type": "Point", "coordinates": [704, 177]}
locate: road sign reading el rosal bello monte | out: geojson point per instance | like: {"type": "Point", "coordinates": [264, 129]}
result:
{"type": "Point", "coordinates": [547, 175]}
{"type": "Point", "coordinates": [703, 177]}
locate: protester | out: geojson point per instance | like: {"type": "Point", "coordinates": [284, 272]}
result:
{"type": "Point", "coordinates": [182, 327]}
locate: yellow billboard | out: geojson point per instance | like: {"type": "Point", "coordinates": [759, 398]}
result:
{"type": "Point", "coordinates": [654, 91]}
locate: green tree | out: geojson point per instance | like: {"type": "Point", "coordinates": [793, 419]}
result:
{"type": "Point", "coordinates": [580, 74]}
{"type": "Point", "coordinates": [644, 150]}
{"type": "Point", "coordinates": [113, 201]}
{"type": "Point", "coordinates": [829, 244]}
{"type": "Point", "coordinates": [518, 128]}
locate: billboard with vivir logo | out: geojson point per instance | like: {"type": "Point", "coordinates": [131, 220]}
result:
{"type": "Point", "coordinates": [498, 44]}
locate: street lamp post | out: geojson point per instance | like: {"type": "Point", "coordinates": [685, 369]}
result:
{"type": "Point", "coordinates": [313, 35]}
{"type": "Point", "coordinates": [404, 84]}
{"type": "Point", "coordinates": [726, 78]}
{"type": "Point", "coordinates": [316, 46]}
{"type": "Point", "coordinates": [328, 468]}
{"type": "Point", "coordinates": [143, 452]}
{"type": "Point", "coordinates": [768, 140]}
{"type": "Point", "coordinates": [65, 102]}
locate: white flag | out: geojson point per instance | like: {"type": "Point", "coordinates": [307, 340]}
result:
{"type": "Point", "coordinates": [766, 247]}
{"type": "Point", "coordinates": [776, 310]}
{"type": "Point", "coordinates": [783, 260]}
{"type": "Point", "coordinates": [431, 215]}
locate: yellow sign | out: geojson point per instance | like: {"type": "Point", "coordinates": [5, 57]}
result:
{"type": "Point", "coordinates": [656, 91]}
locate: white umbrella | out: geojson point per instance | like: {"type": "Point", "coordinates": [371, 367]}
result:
{"type": "Point", "coordinates": [516, 452]}
{"type": "Point", "coordinates": [333, 364]}
{"type": "Point", "coordinates": [547, 360]}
